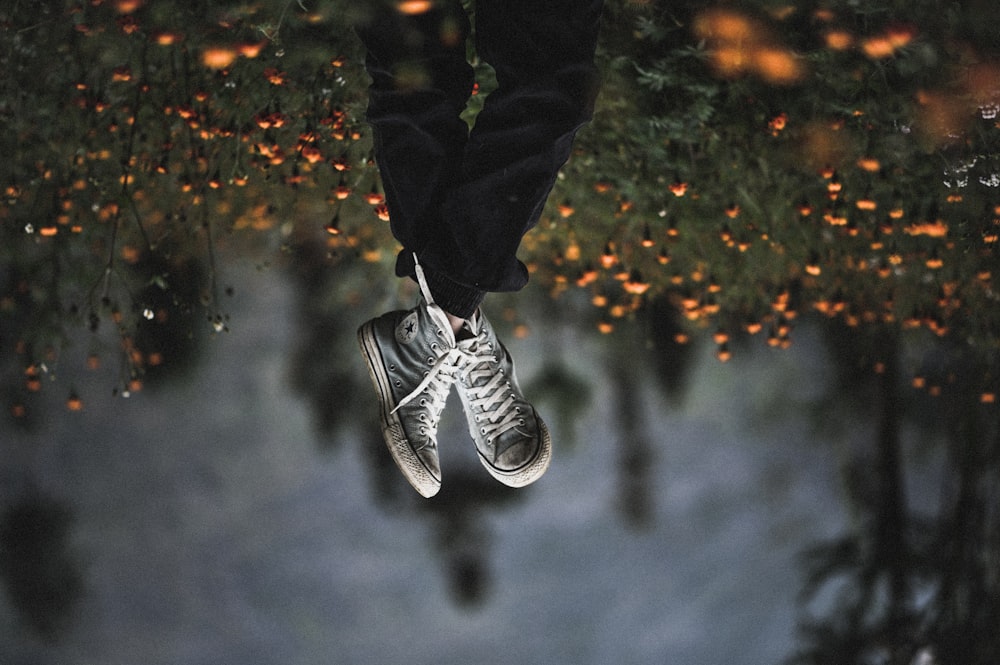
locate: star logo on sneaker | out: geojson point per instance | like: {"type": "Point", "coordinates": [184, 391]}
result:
{"type": "Point", "coordinates": [406, 331]}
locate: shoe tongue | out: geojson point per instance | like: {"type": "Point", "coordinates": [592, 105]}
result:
{"type": "Point", "coordinates": [474, 323]}
{"type": "Point", "coordinates": [465, 332]}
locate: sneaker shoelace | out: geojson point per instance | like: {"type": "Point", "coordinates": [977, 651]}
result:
{"type": "Point", "coordinates": [435, 385]}
{"type": "Point", "coordinates": [438, 379]}
{"type": "Point", "coordinates": [491, 395]}
{"type": "Point", "coordinates": [475, 360]}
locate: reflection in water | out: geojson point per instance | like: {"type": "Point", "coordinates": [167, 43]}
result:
{"type": "Point", "coordinates": [636, 452]}
{"type": "Point", "coordinates": [460, 521]}
{"type": "Point", "coordinates": [909, 573]}
{"type": "Point", "coordinates": [905, 582]}
{"type": "Point", "coordinates": [325, 363]}
{"type": "Point", "coordinates": [39, 571]}
{"type": "Point", "coordinates": [835, 171]}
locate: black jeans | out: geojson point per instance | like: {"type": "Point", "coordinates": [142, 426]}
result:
{"type": "Point", "coordinates": [461, 200]}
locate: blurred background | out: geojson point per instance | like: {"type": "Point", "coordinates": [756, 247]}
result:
{"type": "Point", "coordinates": [762, 325]}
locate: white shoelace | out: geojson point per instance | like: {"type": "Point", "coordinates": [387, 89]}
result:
{"type": "Point", "coordinates": [474, 359]}
{"type": "Point", "coordinates": [437, 381]}
{"type": "Point", "coordinates": [436, 384]}
{"type": "Point", "coordinates": [493, 401]}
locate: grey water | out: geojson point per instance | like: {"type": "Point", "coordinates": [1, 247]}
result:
{"type": "Point", "coordinates": [207, 521]}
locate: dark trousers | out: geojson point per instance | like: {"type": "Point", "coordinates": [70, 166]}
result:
{"type": "Point", "coordinates": [461, 200]}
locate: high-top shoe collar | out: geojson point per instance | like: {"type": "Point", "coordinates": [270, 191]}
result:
{"type": "Point", "coordinates": [433, 309]}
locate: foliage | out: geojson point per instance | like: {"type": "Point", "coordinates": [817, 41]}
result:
{"type": "Point", "coordinates": [752, 164]}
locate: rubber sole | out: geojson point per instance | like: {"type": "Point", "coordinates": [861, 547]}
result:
{"type": "Point", "coordinates": [531, 471]}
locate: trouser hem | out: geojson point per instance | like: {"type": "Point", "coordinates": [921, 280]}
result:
{"type": "Point", "coordinates": [453, 297]}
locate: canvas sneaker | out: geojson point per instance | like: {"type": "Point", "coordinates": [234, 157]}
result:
{"type": "Point", "coordinates": [512, 440]}
{"type": "Point", "coordinates": [410, 358]}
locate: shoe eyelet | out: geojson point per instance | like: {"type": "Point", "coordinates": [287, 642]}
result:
{"type": "Point", "coordinates": [392, 367]}
{"type": "Point", "coordinates": [483, 432]}
{"type": "Point", "coordinates": [399, 383]}
{"type": "Point", "coordinates": [423, 402]}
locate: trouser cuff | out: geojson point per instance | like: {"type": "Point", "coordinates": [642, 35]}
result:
{"type": "Point", "coordinates": [456, 299]}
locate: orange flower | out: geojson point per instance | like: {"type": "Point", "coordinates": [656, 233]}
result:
{"type": "Point", "coordinates": [127, 6]}
{"type": "Point", "coordinates": [635, 285]}
{"type": "Point", "coordinates": [274, 76]}
{"type": "Point", "coordinates": [777, 65]}
{"type": "Point", "coordinates": [725, 25]}
{"type": "Point", "coordinates": [128, 25]}
{"type": "Point", "coordinates": [608, 258]}
{"type": "Point", "coordinates": [312, 154]}
{"type": "Point", "coordinates": [730, 61]}
{"type": "Point", "coordinates": [870, 164]}
{"type": "Point", "coordinates": [835, 219]}
{"type": "Point", "coordinates": [878, 47]}
{"type": "Point", "coordinates": [935, 229]}
{"type": "Point", "coordinates": [778, 123]}
{"type": "Point", "coordinates": [838, 40]}
{"type": "Point", "coordinates": [647, 237]}
{"type": "Point", "coordinates": [167, 38]}
{"type": "Point", "coordinates": [900, 35]}
{"type": "Point", "coordinates": [414, 7]}
{"type": "Point", "coordinates": [218, 57]}
{"type": "Point", "coordinates": [251, 50]}
{"type": "Point", "coordinates": [740, 44]}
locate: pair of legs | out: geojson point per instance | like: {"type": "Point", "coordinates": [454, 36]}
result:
{"type": "Point", "coordinates": [460, 201]}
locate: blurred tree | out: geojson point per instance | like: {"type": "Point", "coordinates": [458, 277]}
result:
{"type": "Point", "coordinates": [901, 584]}
{"type": "Point", "coordinates": [37, 568]}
